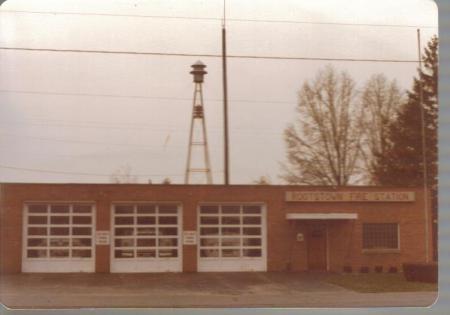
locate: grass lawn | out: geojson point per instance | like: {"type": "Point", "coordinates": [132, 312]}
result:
{"type": "Point", "coordinates": [372, 283]}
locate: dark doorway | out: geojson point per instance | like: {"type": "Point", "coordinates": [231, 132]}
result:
{"type": "Point", "coordinates": [316, 243]}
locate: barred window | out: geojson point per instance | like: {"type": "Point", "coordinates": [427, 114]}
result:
{"type": "Point", "coordinates": [380, 236]}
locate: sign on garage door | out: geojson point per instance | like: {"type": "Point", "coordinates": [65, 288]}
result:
{"type": "Point", "coordinates": [146, 238]}
{"type": "Point", "coordinates": [58, 238]}
{"type": "Point", "coordinates": [232, 237]}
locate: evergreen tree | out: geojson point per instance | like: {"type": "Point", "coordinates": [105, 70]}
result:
{"type": "Point", "coordinates": [402, 162]}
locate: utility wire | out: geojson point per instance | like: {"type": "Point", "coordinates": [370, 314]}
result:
{"type": "Point", "coordinates": [118, 52]}
{"type": "Point", "coordinates": [221, 19]}
{"type": "Point", "coordinates": [82, 173]}
{"type": "Point", "coordinates": [134, 96]}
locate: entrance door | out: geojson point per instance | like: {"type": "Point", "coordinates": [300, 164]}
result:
{"type": "Point", "coordinates": [317, 247]}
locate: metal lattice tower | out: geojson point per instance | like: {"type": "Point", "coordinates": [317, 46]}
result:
{"type": "Point", "coordinates": [198, 144]}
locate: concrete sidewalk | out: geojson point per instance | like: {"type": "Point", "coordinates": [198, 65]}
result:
{"type": "Point", "coordinates": [191, 290]}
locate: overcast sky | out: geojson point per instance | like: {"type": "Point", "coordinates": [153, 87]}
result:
{"type": "Point", "coordinates": [87, 113]}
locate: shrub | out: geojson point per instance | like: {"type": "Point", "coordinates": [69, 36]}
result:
{"type": "Point", "coordinates": [364, 269]}
{"type": "Point", "coordinates": [421, 272]}
{"type": "Point", "coordinates": [378, 269]}
{"type": "Point", "coordinates": [347, 269]}
{"type": "Point", "coordinates": [393, 270]}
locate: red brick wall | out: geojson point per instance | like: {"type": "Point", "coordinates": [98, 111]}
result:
{"type": "Point", "coordinates": [284, 252]}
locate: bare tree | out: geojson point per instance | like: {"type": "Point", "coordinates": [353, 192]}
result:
{"type": "Point", "coordinates": [323, 145]}
{"type": "Point", "coordinates": [380, 100]}
{"type": "Point", "coordinates": [263, 180]}
{"type": "Point", "coordinates": [123, 175]}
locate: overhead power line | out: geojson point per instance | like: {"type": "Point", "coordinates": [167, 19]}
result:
{"type": "Point", "coordinates": [220, 19]}
{"type": "Point", "coordinates": [136, 96]}
{"type": "Point", "coordinates": [82, 173]}
{"type": "Point", "coordinates": [118, 52]}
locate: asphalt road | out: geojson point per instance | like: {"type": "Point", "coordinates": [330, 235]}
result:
{"type": "Point", "coordinates": [64, 291]}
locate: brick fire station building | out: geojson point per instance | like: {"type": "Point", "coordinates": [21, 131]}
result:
{"type": "Point", "coordinates": [107, 228]}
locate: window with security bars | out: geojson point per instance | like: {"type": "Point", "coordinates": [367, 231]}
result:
{"type": "Point", "coordinates": [59, 231]}
{"type": "Point", "coordinates": [380, 236]}
{"type": "Point", "coordinates": [231, 231]}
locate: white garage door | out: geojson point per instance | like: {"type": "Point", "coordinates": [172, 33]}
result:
{"type": "Point", "coordinates": [232, 237]}
{"type": "Point", "coordinates": [146, 238]}
{"type": "Point", "coordinates": [58, 238]}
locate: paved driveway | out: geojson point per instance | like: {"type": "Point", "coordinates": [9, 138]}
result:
{"type": "Point", "coordinates": [191, 290]}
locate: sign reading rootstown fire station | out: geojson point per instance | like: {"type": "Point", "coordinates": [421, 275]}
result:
{"type": "Point", "coordinates": [350, 196]}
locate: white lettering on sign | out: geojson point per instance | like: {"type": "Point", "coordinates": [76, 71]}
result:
{"type": "Point", "coordinates": [102, 238]}
{"type": "Point", "coordinates": [189, 238]}
{"type": "Point", "coordinates": [351, 196]}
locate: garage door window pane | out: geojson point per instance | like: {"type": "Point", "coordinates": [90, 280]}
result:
{"type": "Point", "coordinates": [123, 253]}
{"type": "Point", "coordinates": [59, 209]}
{"type": "Point", "coordinates": [209, 231]}
{"type": "Point", "coordinates": [124, 220]}
{"type": "Point", "coordinates": [252, 231]}
{"type": "Point", "coordinates": [168, 231]}
{"type": "Point", "coordinates": [37, 242]}
{"type": "Point", "coordinates": [231, 242]}
{"type": "Point", "coordinates": [146, 220]}
{"type": "Point", "coordinates": [82, 220]}
{"type": "Point", "coordinates": [59, 253]}
{"type": "Point", "coordinates": [124, 231]}
{"type": "Point", "coordinates": [124, 242]}
{"type": "Point", "coordinates": [230, 253]}
{"type": "Point", "coordinates": [252, 220]}
{"type": "Point", "coordinates": [124, 209]}
{"type": "Point", "coordinates": [209, 209]}
{"type": "Point", "coordinates": [59, 231]}
{"type": "Point", "coordinates": [37, 231]}
{"type": "Point", "coordinates": [231, 231]}
{"type": "Point", "coordinates": [36, 253]}
{"type": "Point", "coordinates": [79, 242]}
{"type": "Point", "coordinates": [146, 209]}
{"type": "Point", "coordinates": [231, 220]}
{"type": "Point", "coordinates": [81, 231]}
{"type": "Point", "coordinates": [252, 252]}
{"type": "Point", "coordinates": [82, 208]}
{"type": "Point", "coordinates": [209, 242]}
{"type": "Point", "coordinates": [252, 242]}
{"type": "Point", "coordinates": [167, 242]}
{"type": "Point", "coordinates": [37, 220]}
{"type": "Point", "coordinates": [146, 253]}
{"type": "Point", "coordinates": [146, 231]}
{"type": "Point", "coordinates": [146, 242]}
{"type": "Point", "coordinates": [230, 209]}
{"type": "Point", "coordinates": [209, 253]}
{"type": "Point", "coordinates": [168, 209]}
{"type": "Point", "coordinates": [251, 209]}
{"type": "Point", "coordinates": [167, 220]}
{"type": "Point", "coordinates": [59, 242]}
{"type": "Point", "coordinates": [166, 253]}
{"type": "Point", "coordinates": [59, 220]}
{"type": "Point", "coordinates": [81, 253]}
{"type": "Point", "coordinates": [37, 208]}
{"type": "Point", "coordinates": [209, 220]}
